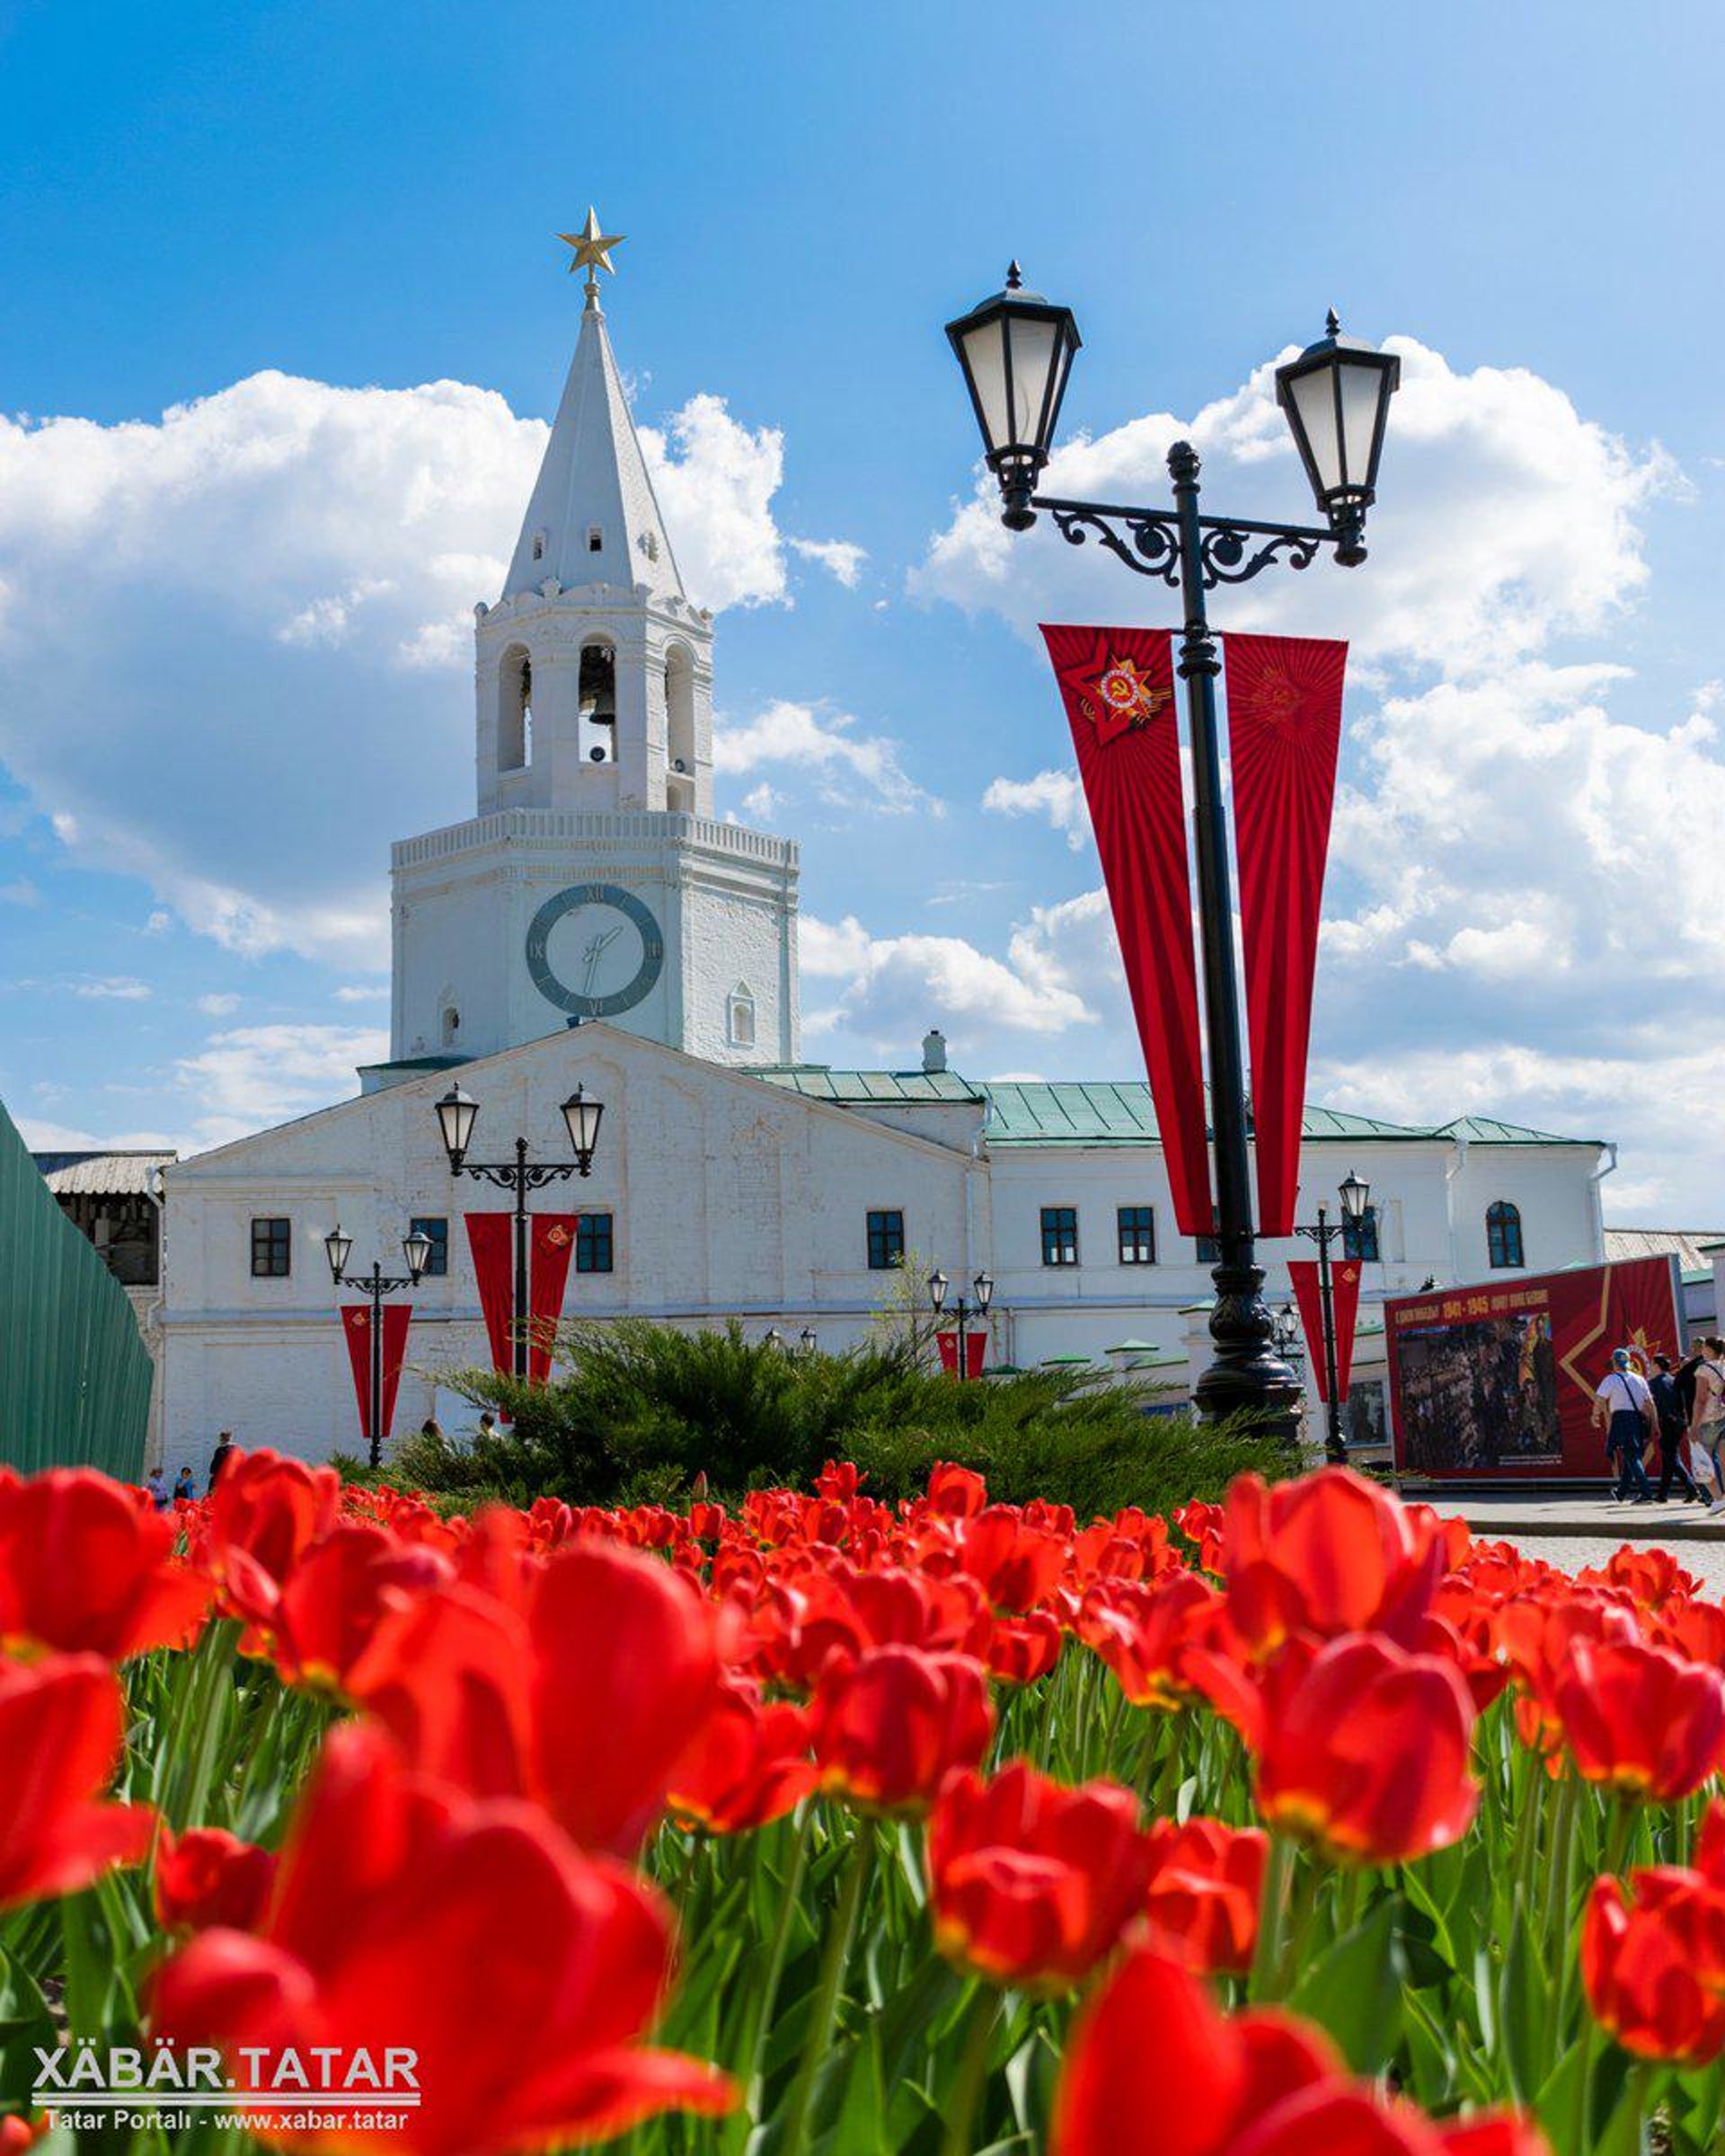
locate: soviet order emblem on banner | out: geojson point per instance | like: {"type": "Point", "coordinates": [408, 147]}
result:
{"type": "Point", "coordinates": [1124, 697]}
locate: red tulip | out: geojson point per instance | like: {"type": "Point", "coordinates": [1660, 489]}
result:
{"type": "Point", "coordinates": [1016, 1566]}
{"type": "Point", "coordinates": [1640, 1720]}
{"type": "Point", "coordinates": [520, 1974]}
{"type": "Point", "coordinates": [265, 1512]}
{"type": "Point", "coordinates": [337, 1595]}
{"type": "Point", "coordinates": [1360, 1747]}
{"type": "Point", "coordinates": [62, 1726]}
{"type": "Point", "coordinates": [207, 1877]}
{"type": "Point", "coordinates": [1031, 1883]}
{"type": "Point", "coordinates": [1537, 1636]}
{"type": "Point", "coordinates": [1144, 1634]}
{"type": "Point", "coordinates": [748, 1764]}
{"type": "Point", "coordinates": [1329, 1555]}
{"type": "Point", "coordinates": [1653, 1963]}
{"type": "Point", "coordinates": [1023, 1650]}
{"type": "Point", "coordinates": [585, 1704]}
{"type": "Point", "coordinates": [1153, 2069]}
{"type": "Point", "coordinates": [1207, 1881]}
{"type": "Point", "coordinates": [892, 1725]}
{"type": "Point", "coordinates": [87, 1566]}
{"type": "Point", "coordinates": [956, 1493]}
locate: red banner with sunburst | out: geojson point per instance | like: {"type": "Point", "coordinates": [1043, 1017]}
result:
{"type": "Point", "coordinates": [551, 1247]}
{"type": "Point", "coordinates": [976, 1352]}
{"type": "Point", "coordinates": [1284, 737]}
{"type": "Point", "coordinates": [356, 1327]}
{"type": "Point", "coordinates": [491, 1237]}
{"type": "Point", "coordinates": [1344, 1311]}
{"type": "Point", "coordinates": [1118, 686]}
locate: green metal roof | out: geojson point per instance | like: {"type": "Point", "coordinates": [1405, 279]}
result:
{"type": "Point", "coordinates": [1105, 1111]}
{"type": "Point", "coordinates": [1487, 1130]}
{"type": "Point", "coordinates": [819, 1081]}
{"type": "Point", "coordinates": [1118, 1112]}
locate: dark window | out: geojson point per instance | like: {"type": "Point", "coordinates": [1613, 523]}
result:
{"type": "Point", "coordinates": [1059, 1234]}
{"type": "Point", "coordinates": [1138, 1235]}
{"type": "Point", "coordinates": [886, 1240]}
{"type": "Point", "coordinates": [1210, 1251]}
{"type": "Point", "coordinates": [1503, 1234]}
{"type": "Point", "coordinates": [271, 1249]}
{"type": "Point", "coordinates": [1359, 1240]}
{"type": "Point", "coordinates": [593, 1243]}
{"type": "Point", "coordinates": [435, 1228]}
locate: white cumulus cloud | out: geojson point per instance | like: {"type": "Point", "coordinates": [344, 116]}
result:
{"type": "Point", "coordinates": [715, 480]}
{"type": "Point", "coordinates": [250, 1077]}
{"type": "Point", "coordinates": [841, 557]}
{"type": "Point", "coordinates": [822, 745]}
{"type": "Point", "coordinates": [265, 595]}
{"type": "Point", "coordinates": [1056, 795]}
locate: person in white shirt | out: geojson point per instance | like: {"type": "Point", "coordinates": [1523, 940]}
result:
{"type": "Point", "coordinates": [1624, 1402]}
{"type": "Point", "coordinates": [1707, 1418]}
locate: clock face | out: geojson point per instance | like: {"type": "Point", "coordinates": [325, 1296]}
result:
{"type": "Point", "coordinates": [594, 949]}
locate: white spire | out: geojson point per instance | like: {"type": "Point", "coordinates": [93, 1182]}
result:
{"type": "Point", "coordinates": [593, 483]}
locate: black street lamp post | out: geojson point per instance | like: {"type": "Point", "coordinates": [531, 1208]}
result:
{"type": "Point", "coordinates": [1016, 351]}
{"type": "Point", "coordinates": [982, 1287]}
{"type": "Point", "coordinates": [1356, 1200]}
{"type": "Point", "coordinates": [377, 1284]}
{"type": "Point", "coordinates": [456, 1114]}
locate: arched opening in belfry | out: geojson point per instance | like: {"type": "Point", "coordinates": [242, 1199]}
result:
{"type": "Point", "coordinates": [679, 729]}
{"type": "Point", "coordinates": [599, 700]}
{"type": "Point", "coordinates": [515, 710]}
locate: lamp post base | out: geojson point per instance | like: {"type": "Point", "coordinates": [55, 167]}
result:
{"type": "Point", "coordinates": [1248, 1376]}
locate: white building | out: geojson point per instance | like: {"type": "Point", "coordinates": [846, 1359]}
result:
{"type": "Point", "coordinates": [595, 922]}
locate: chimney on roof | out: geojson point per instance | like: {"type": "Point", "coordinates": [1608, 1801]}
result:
{"type": "Point", "coordinates": [935, 1049]}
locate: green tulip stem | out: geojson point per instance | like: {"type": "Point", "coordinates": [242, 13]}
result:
{"type": "Point", "coordinates": [824, 2008]}
{"type": "Point", "coordinates": [972, 2073]}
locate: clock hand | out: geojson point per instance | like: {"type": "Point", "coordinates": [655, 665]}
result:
{"type": "Point", "coordinates": [597, 947]}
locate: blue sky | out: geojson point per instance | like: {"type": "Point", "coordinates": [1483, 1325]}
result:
{"type": "Point", "coordinates": [231, 658]}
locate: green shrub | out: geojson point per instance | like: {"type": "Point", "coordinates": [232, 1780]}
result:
{"type": "Point", "coordinates": [636, 1411]}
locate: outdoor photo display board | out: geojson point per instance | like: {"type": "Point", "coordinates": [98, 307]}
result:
{"type": "Point", "coordinates": [1498, 1380]}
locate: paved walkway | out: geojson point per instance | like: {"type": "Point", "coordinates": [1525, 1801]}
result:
{"type": "Point", "coordinates": [1575, 1532]}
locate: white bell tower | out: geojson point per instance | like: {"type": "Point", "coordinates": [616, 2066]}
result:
{"type": "Point", "coordinates": [594, 882]}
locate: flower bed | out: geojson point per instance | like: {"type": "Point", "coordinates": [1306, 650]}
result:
{"type": "Point", "coordinates": [1301, 1823]}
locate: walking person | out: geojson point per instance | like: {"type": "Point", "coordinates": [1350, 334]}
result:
{"type": "Point", "coordinates": [1625, 1405]}
{"type": "Point", "coordinates": [220, 1457]}
{"type": "Point", "coordinates": [1674, 1432]}
{"type": "Point", "coordinates": [1707, 1417]}
{"type": "Point", "coordinates": [157, 1486]}
{"type": "Point", "coordinates": [184, 1487]}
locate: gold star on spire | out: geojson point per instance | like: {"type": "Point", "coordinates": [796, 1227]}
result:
{"type": "Point", "coordinates": [592, 249]}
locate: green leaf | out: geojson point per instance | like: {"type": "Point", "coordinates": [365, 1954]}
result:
{"type": "Point", "coordinates": [1354, 1989]}
{"type": "Point", "coordinates": [1524, 2009]}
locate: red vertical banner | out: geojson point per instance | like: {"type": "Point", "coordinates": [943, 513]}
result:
{"type": "Point", "coordinates": [550, 1250]}
{"type": "Point", "coordinates": [1344, 1306]}
{"type": "Point", "coordinates": [1118, 686]}
{"type": "Point", "coordinates": [1344, 1311]}
{"type": "Point", "coordinates": [356, 1330]}
{"type": "Point", "coordinates": [1284, 737]}
{"type": "Point", "coordinates": [356, 1327]}
{"type": "Point", "coordinates": [976, 1351]}
{"type": "Point", "coordinates": [491, 1237]}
